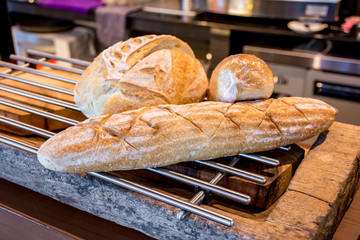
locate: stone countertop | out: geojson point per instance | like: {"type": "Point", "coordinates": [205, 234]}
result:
{"type": "Point", "coordinates": [312, 207]}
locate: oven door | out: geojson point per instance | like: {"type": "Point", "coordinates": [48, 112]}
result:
{"type": "Point", "coordinates": [338, 90]}
{"type": "Point", "coordinates": [290, 80]}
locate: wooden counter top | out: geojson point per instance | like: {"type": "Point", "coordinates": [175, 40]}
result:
{"type": "Point", "coordinates": [311, 208]}
{"type": "Point", "coordinates": [349, 227]}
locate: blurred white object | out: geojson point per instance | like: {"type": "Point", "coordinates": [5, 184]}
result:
{"type": "Point", "coordinates": [78, 42]}
{"type": "Point", "coordinates": [306, 27]}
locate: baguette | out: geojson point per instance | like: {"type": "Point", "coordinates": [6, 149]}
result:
{"type": "Point", "coordinates": [168, 134]}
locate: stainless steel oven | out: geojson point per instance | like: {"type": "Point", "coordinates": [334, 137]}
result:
{"type": "Point", "coordinates": [339, 90]}
{"type": "Point", "coordinates": [320, 10]}
{"type": "Point", "coordinates": [332, 75]}
{"type": "Point", "coordinates": [290, 80]}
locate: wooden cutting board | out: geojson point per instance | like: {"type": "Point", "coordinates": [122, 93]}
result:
{"type": "Point", "coordinates": [31, 118]}
{"type": "Point", "coordinates": [262, 195]}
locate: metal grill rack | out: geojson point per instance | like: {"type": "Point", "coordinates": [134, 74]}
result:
{"type": "Point", "coordinates": [187, 207]}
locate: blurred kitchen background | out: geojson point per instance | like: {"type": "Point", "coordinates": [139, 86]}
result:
{"type": "Point", "coordinates": [313, 47]}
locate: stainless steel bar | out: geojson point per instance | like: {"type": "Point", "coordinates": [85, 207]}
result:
{"type": "Point", "coordinates": [165, 198]}
{"type": "Point", "coordinates": [57, 89]}
{"type": "Point", "coordinates": [233, 171]}
{"type": "Point", "coordinates": [39, 97]}
{"type": "Point", "coordinates": [227, 193]}
{"type": "Point", "coordinates": [286, 148]}
{"type": "Point", "coordinates": [139, 188]}
{"type": "Point", "coordinates": [34, 71]}
{"type": "Point", "coordinates": [262, 159]}
{"type": "Point", "coordinates": [18, 144]}
{"type": "Point", "coordinates": [186, 207]}
{"type": "Point", "coordinates": [52, 56]}
{"type": "Point", "coordinates": [52, 65]}
{"type": "Point", "coordinates": [9, 70]}
{"type": "Point", "coordinates": [30, 128]}
{"type": "Point", "coordinates": [39, 112]}
{"type": "Point", "coordinates": [198, 198]}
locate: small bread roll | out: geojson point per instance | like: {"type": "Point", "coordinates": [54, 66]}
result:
{"type": "Point", "coordinates": [241, 77]}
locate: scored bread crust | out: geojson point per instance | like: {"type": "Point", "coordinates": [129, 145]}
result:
{"type": "Point", "coordinates": [164, 77]}
{"type": "Point", "coordinates": [111, 84]}
{"type": "Point", "coordinates": [168, 134]}
{"type": "Point", "coordinates": [241, 77]}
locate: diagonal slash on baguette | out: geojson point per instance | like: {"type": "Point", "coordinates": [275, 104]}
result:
{"type": "Point", "coordinates": [168, 134]}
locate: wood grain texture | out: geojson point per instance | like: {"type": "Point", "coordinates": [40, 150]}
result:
{"type": "Point", "coordinates": [25, 214]}
{"type": "Point", "coordinates": [263, 195]}
{"type": "Point", "coordinates": [305, 211]}
{"type": "Point", "coordinates": [34, 119]}
{"type": "Point", "coordinates": [15, 225]}
{"type": "Point", "coordinates": [349, 227]}
{"type": "Point", "coordinates": [324, 184]}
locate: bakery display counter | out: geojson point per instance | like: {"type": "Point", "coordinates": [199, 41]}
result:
{"type": "Point", "coordinates": [303, 196]}
{"type": "Point", "coordinates": [305, 210]}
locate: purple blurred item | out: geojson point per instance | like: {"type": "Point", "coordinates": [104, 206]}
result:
{"type": "Point", "coordinates": [111, 23]}
{"type": "Point", "coordinates": [77, 6]}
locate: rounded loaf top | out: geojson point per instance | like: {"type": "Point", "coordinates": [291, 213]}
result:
{"type": "Point", "coordinates": [241, 77]}
{"type": "Point", "coordinates": [142, 71]}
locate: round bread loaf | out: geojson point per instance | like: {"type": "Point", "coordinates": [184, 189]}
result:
{"type": "Point", "coordinates": [241, 77]}
{"type": "Point", "coordinates": [143, 71]}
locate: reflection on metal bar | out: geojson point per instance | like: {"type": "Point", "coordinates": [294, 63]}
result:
{"type": "Point", "coordinates": [139, 188]}
{"type": "Point", "coordinates": [197, 199]}
{"type": "Point", "coordinates": [55, 66]}
{"type": "Point", "coordinates": [18, 144]}
{"type": "Point", "coordinates": [263, 159]}
{"type": "Point", "coordinates": [165, 198]}
{"type": "Point", "coordinates": [233, 171]}
{"type": "Point", "coordinates": [285, 148]}
{"type": "Point", "coordinates": [34, 71]}
{"type": "Point", "coordinates": [39, 97]}
{"type": "Point", "coordinates": [57, 89]}
{"type": "Point", "coordinates": [39, 112]}
{"type": "Point", "coordinates": [27, 127]}
{"type": "Point", "coordinates": [227, 193]}
{"type": "Point", "coordinates": [52, 56]}
{"type": "Point", "coordinates": [186, 207]}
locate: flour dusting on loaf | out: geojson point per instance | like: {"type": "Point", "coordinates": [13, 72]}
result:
{"type": "Point", "coordinates": [241, 77]}
{"type": "Point", "coordinates": [168, 134]}
{"type": "Point", "coordinates": [112, 83]}
{"type": "Point", "coordinates": [122, 56]}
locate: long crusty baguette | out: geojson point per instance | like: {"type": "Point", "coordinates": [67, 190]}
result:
{"type": "Point", "coordinates": [168, 134]}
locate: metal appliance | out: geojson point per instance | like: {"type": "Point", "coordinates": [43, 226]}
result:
{"type": "Point", "coordinates": [320, 10]}
{"type": "Point", "coordinates": [316, 72]}
{"type": "Point", "coordinates": [341, 91]}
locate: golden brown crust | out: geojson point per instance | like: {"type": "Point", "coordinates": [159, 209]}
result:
{"type": "Point", "coordinates": [168, 134]}
{"type": "Point", "coordinates": [140, 72]}
{"type": "Point", "coordinates": [241, 77]}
